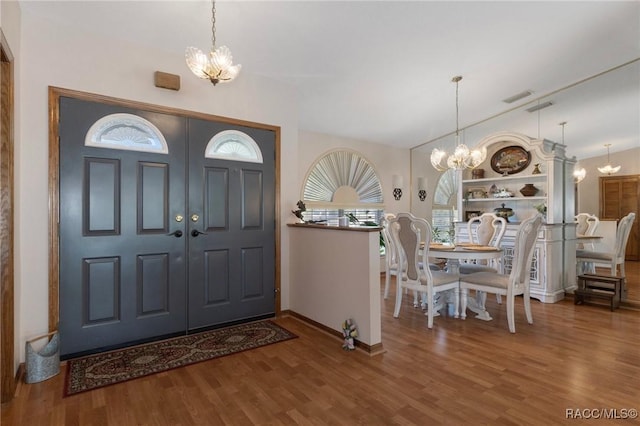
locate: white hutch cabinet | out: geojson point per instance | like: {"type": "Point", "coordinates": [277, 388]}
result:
{"type": "Point", "coordinates": [553, 269]}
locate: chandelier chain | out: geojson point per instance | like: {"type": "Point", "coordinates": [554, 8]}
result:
{"type": "Point", "coordinates": [462, 157]}
{"type": "Point", "coordinates": [457, 80]}
{"type": "Point", "coordinates": [213, 25]}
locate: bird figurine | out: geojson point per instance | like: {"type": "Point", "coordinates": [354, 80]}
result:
{"type": "Point", "coordinates": [301, 208]}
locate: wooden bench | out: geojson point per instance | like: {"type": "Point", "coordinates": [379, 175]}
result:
{"type": "Point", "coordinates": [600, 287]}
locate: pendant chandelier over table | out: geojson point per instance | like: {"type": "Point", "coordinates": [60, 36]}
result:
{"type": "Point", "coordinates": [462, 157]}
{"type": "Point", "coordinates": [608, 168]}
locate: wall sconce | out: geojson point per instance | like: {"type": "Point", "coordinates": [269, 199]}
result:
{"type": "Point", "coordinates": [397, 186]}
{"type": "Point", "coordinates": [579, 174]}
{"type": "Point", "coordinates": [422, 188]}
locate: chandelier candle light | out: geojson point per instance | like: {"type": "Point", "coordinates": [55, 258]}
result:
{"type": "Point", "coordinates": [608, 169]}
{"type": "Point", "coordinates": [218, 65]}
{"type": "Point", "coordinates": [462, 157]}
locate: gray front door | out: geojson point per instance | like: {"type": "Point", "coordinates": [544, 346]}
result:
{"type": "Point", "coordinates": [231, 250]}
{"type": "Point", "coordinates": [134, 265]}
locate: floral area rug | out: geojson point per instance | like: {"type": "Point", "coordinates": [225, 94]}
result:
{"type": "Point", "coordinates": [94, 371]}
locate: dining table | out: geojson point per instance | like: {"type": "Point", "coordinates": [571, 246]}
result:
{"type": "Point", "coordinates": [467, 251]}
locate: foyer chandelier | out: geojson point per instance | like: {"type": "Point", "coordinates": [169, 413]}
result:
{"type": "Point", "coordinates": [462, 157]}
{"type": "Point", "coordinates": [218, 65]}
{"type": "Point", "coordinates": [608, 169]}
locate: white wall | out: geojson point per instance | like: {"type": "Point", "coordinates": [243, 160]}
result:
{"type": "Point", "coordinates": [386, 160]}
{"type": "Point", "coordinates": [10, 23]}
{"type": "Point", "coordinates": [55, 56]}
{"type": "Point", "coordinates": [335, 276]}
{"type": "Point", "coordinates": [421, 167]}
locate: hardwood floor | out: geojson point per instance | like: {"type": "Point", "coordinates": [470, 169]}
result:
{"type": "Point", "coordinates": [461, 372]}
{"type": "Point", "coordinates": [632, 271]}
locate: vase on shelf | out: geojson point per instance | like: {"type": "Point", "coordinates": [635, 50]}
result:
{"type": "Point", "coordinates": [528, 190]}
{"type": "Point", "coordinates": [477, 173]}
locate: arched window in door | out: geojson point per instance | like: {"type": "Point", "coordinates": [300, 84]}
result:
{"type": "Point", "coordinates": [126, 131]}
{"type": "Point", "coordinates": [233, 145]}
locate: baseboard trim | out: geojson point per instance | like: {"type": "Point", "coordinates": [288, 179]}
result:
{"type": "Point", "coordinates": [370, 350]}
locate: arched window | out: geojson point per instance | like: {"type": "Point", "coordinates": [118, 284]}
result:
{"type": "Point", "coordinates": [233, 145]}
{"type": "Point", "coordinates": [447, 189]}
{"type": "Point", "coordinates": [343, 177]}
{"type": "Point", "coordinates": [444, 200]}
{"type": "Point", "coordinates": [128, 132]}
{"type": "Point", "coordinates": [342, 182]}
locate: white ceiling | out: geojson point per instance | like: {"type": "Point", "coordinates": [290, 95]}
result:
{"type": "Point", "coordinates": [381, 71]}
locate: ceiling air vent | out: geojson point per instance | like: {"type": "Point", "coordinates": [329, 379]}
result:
{"type": "Point", "coordinates": [539, 106]}
{"type": "Point", "coordinates": [517, 97]}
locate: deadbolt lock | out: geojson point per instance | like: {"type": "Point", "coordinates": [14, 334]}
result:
{"type": "Point", "coordinates": [194, 217]}
{"type": "Point", "coordinates": [179, 218]}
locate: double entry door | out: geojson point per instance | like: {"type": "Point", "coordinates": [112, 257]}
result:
{"type": "Point", "coordinates": [167, 224]}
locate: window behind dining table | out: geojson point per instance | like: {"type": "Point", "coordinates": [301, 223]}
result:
{"type": "Point", "coordinates": [444, 211]}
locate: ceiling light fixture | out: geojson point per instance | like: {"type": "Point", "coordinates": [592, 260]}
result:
{"type": "Point", "coordinates": [579, 173]}
{"type": "Point", "coordinates": [462, 156]}
{"type": "Point", "coordinates": [218, 66]}
{"type": "Point", "coordinates": [608, 169]}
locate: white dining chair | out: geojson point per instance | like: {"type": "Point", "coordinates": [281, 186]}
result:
{"type": "Point", "coordinates": [408, 232]}
{"type": "Point", "coordinates": [390, 254]}
{"type": "Point", "coordinates": [511, 285]}
{"type": "Point", "coordinates": [586, 225]}
{"type": "Point", "coordinates": [391, 257]}
{"type": "Point", "coordinates": [617, 255]}
{"type": "Point", "coordinates": [487, 230]}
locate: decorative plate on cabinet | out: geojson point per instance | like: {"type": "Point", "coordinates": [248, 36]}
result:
{"type": "Point", "coordinates": [510, 160]}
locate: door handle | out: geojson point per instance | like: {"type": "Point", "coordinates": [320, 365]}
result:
{"type": "Point", "coordinates": [195, 233]}
{"type": "Point", "coordinates": [177, 233]}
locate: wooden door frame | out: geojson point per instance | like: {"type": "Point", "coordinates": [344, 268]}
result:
{"type": "Point", "coordinates": [54, 178]}
{"type": "Point", "coordinates": [7, 309]}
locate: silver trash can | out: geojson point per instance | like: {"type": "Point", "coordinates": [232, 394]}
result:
{"type": "Point", "coordinates": [45, 363]}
